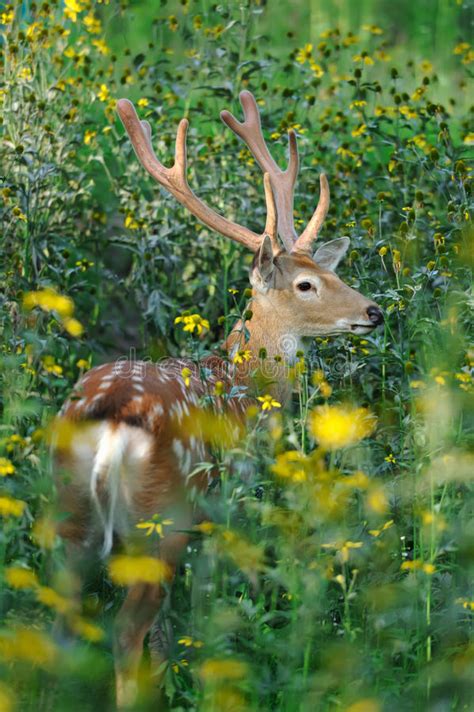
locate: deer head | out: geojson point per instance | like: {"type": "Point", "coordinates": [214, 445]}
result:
{"type": "Point", "coordinates": [294, 292]}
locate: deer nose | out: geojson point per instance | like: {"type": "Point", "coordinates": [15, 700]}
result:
{"type": "Point", "coordinates": [375, 315]}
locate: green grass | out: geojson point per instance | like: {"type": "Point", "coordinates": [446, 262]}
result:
{"type": "Point", "coordinates": [327, 590]}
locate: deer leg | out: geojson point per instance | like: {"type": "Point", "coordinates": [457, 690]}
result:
{"type": "Point", "coordinates": [134, 620]}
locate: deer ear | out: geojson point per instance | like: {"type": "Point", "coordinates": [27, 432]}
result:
{"type": "Point", "coordinates": [331, 253]}
{"type": "Point", "coordinates": [263, 266]}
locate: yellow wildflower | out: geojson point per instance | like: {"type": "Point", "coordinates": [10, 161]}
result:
{"type": "Point", "coordinates": [155, 524]}
{"type": "Point", "coordinates": [359, 131]}
{"type": "Point", "coordinates": [378, 532]}
{"type": "Point", "coordinates": [6, 18]}
{"type": "Point", "coordinates": [243, 355]}
{"type": "Point", "coordinates": [418, 565]}
{"type": "Point", "coordinates": [92, 24]}
{"type": "Point", "coordinates": [461, 48]}
{"type": "Point", "coordinates": [373, 29]}
{"type": "Point", "coordinates": [291, 465]}
{"type": "Point", "coordinates": [101, 45]}
{"type": "Point", "coordinates": [73, 327]}
{"type": "Point", "coordinates": [304, 54]}
{"type": "Point", "coordinates": [82, 363]}
{"type": "Point", "coordinates": [103, 94]}
{"type": "Point", "coordinates": [316, 69]}
{"type": "Point", "coordinates": [186, 374]}
{"type": "Point", "coordinates": [10, 507]}
{"type": "Point", "coordinates": [206, 527]}
{"type": "Point", "coordinates": [49, 300]}
{"type": "Point", "coordinates": [190, 642]}
{"type": "Point", "coordinates": [44, 533]}
{"type": "Point", "coordinates": [268, 402]}
{"type": "Point", "coordinates": [30, 646]}
{"type": "Point", "coordinates": [192, 323]}
{"type": "Point", "coordinates": [6, 467]}
{"type": "Point", "coordinates": [336, 426]}
{"type": "Point", "coordinates": [88, 136]}
{"type": "Point", "coordinates": [88, 631]}
{"type": "Point", "coordinates": [49, 597]}
{"type": "Point", "coordinates": [344, 548]}
{"type": "Point", "coordinates": [130, 222]}
{"type": "Point", "coordinates": [20, 578]}
{"type": "Point", "coordinates": [143, 103]}
{"type": "Point", "coordinates": [72, 8]}
{"type": "Point", "coordinates": [364, 58]}
{"type": "Point", "coordinates": [128, 570]}
{"type": "Point", "coordinates": [216, 670]}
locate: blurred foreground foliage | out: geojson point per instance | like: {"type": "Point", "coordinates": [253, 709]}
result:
{"type": "Point", "coordinates": [327, 579]}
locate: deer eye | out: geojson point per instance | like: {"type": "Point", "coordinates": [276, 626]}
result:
{"type": "Point", "coordinates": [304, 286]}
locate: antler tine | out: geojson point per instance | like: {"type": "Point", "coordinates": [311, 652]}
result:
{"type": "Point", "coordinates": [310, 233]}
{"type": "Point", "coordinates": [271, 225]}
{"type": "Point", "coordinates": [250, 131]}
{"type": "Point", "coordinates": [175, 181]}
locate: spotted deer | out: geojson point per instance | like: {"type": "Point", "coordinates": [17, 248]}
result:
{"type": "Point", "coordinates": [128, 459]}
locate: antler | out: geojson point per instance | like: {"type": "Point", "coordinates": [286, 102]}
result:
{"type": "Point", "coordinates": [175, 181]}
{"type": "Point", "coordinates": [283, 182]}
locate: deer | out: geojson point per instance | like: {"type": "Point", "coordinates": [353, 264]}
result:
{"type": "Point", "coordinates": [130, 456]}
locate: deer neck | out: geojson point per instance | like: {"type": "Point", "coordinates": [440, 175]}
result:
{"type": "Point", "coordinates": [273, 351]}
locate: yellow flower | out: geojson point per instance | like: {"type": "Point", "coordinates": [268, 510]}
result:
{"type": "Point", "coordinates": [186, 374]}
{"type": "Point", "coordinates": [378, 532]}
{"type": "Point", "coordinates": [82, 363]}
{"type": "Point", "coordinates": [173, 23]}
{"type": "Point", "coordinates": [243, 355]}
{"type": "Point", "coordinates": [376, 500]}
{"type": "Point", "coordinates": [143, 103]}
{"type": "Point", "coordinates": [192, 323]}
{"type": "Point", "coordinates": [86, 630]}
{"type": "Point", "coordinates": [418, 565]}
{"type": "Point", "coordinates": [190, 642]}
{"type": "Point", "coordinates": [155, 524]}
{"type": "Point", "coordinates": [88, 136]}
{"type": "Point", "coordinates": [6, 467]}
{"type": "Point", "coordinates": [72, 8]}
{"type": "Point", "coordinates": [291, 465]}
{"type": "Point", "coordinates": [92, 24]}
{"type": "Point", "coordinates": [206, 527]}
{"type": "Point", "coordinates": [364, 58]}
{"type": "Point", "coordinates": [268, 402]}
{"type": "Point", "coordinates": [217, 670]}
{"type": "Point", "coordinates": [48, 597]}
{"type": "Point", "coordinates": [304, 54]}
{"type": "Point", "coordinates": [20, 578]}
{"type": "Point", "coordinates": [336, 426]}
{"type": "Point", "coordinates": [103, 94]}
{"type": "Point", "coordinates": [130, 222]}
{"type": "Point", "coordinates": [469, 138]}
{"type": "Point", "coordinates": [6, 18]}
{"type": "Point", "coordinates": [101, 45]}
{"type": "Point", "coordinates": [391, 457]}
{"type": "Point", "coordinates": [316, 69]}
{"type": "Point", "coordinates": [359, 131]}
{"type": "Point", "coordinates": [373, 29]}
{"type": "Point", "coordinates": [426, 66]}
{"type": "Point", "coordinates": [128, 570]}
{"type": "Point", "coordinates": [10, 507]}
{"type": "Point", "coordinates": [358, 104]}
{"type": "Point", "coordinates": [30, 646]}
{"type": "Point", "coordinates": [219, 388]}
{"type": "Point", "coordinates": [461, 48]}
{"type": "Point", "coordinates": [44, 533]}
{"type": "Point", "coordinates": [73, 327]}
{"type": "Point", "coordinates": [49, 300]}
{"type": "Point", "coordinates": [344, 548]}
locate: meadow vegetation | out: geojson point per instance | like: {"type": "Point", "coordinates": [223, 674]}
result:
{"type": "Point", "coordinates": [334, 569]}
